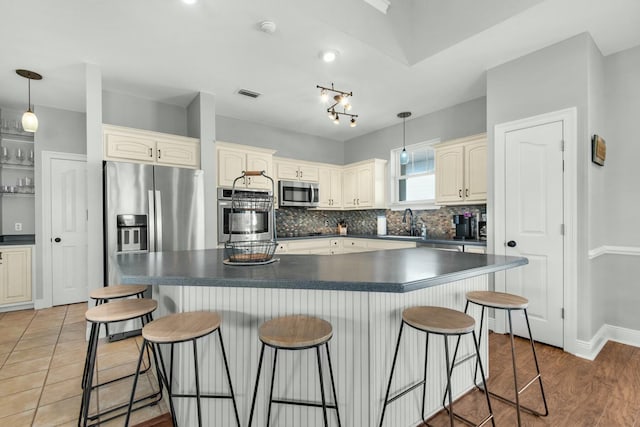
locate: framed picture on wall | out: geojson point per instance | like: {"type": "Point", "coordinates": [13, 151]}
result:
{"type": "Point", "coordinates": [598, 150]}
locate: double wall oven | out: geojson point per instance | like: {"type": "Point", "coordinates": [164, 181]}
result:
{"type": "Point", "coordinates": [248, 225]}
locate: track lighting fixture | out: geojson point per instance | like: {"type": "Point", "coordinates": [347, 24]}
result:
{"type": "Point", "coordinates": [341, 99]}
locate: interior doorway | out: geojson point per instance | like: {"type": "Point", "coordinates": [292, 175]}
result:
{"type": "Point", "coordinates": [534, 201]}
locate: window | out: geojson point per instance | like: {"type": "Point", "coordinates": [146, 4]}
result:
{"type": "Point", "coordinates": [414, 183]}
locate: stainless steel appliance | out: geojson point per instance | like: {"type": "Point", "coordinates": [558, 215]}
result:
{"type": "Point", "coordinates": [296, 193]}
{"type": "Point", "coordinates": [246, 224]}
{"type": "Point", "coordinates": [150, 209]}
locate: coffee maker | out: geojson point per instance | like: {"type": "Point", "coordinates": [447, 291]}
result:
{"type": "Point", "coordinates": [465, 227]}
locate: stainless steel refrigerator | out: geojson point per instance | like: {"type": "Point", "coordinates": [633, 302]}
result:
{"type": "Point", "coordinates": [150, 208]}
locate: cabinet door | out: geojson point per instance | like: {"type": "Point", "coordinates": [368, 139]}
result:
{"type": "Point", "coordinates": [183, 154]}
{"type": "Point", "coordinates": [336, 188]}
{"type": "Point", "coordinates": [288, 171]}
{"type": "Point", "coordinates": [260, 162]}
{"type": "Point", "coordinates": [475, 172]}
{"type": "Point", "coordinates": [449, 170]}
{"type": "Point", "coordinates": [324, 187]}
{"type": "Point", "coordinates": [129, 147]}
{"type": "Point", "coordinates": [364, 196]}
{"type": "Point", "coordinates": [231, 163]}
{"type": "Point", "coordinates": [15, 275]}
{"type": "Point", "coordinates": [308, 173]}
{"type": "Point", "coordinates": [349, 189]}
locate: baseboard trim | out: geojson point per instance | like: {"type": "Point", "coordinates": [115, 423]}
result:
{"type": "Point", "coordinates": [590, 349]}
{"type": "Point", "coordinates": [614, 250]}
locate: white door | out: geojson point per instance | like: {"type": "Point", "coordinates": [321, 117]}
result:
{"type": "Point", "coordinates": [68, 230]}
{"type": "Point", "coordinates": [533, 226]}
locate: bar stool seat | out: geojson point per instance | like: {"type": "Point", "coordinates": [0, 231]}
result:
{"type": "Point", "coordinates": [509, 302]}
{"type": "Point", "coordinates": [178, 328]}
{"type": "Point", "coordinates": [445, 322]}
{"type": "Point", "coordinates": [110, 312]}
{"type": "Point", "coordinates": [117, 291]}
{"type": "Point", "coordinates": [498, 300]}
{"type": "Point", "coordinates": [439, 320]}
{"type": "Point", "coordinates": [295, 333]}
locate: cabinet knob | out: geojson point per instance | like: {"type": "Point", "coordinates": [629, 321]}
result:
{"type": "Point", "coordinates": [466, 192]}
{"type": "Point", "coordinates": [150, 152]}
{"type": "Point", "coordinates": [159, 153]}
{"type": "Point", "coordinates": [512, 243]}
{"type": "Point", "coordinates": [460, 193]}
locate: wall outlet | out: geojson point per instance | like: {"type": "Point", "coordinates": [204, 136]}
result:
{"type": "Point", "coordinates": [326, 222]}
{"type": "Point", "coordinates": [18, 226]}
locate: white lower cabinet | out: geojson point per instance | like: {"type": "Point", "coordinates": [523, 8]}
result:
{"type": "Point", "coordinates": [15, 274]}
{"type": "Point", "coordinates": [338, 245]}
{"type": "Point", "coordinates": [475, 249]}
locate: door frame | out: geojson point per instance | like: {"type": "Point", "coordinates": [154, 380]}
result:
{"type": "Point", "coordinates": [569, 117]}
{"type": "Point", "coordinates": [47, 283]}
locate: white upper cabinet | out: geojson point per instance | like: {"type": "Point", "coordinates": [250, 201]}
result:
{"type": "Point", "coordinates": [363, 185]}
{"type": "Point", "coordinates": [461, 171]}
{"type": "Point", "coordinates": [141, 146]}
{"type": "Point", "coordinates": [293, 170]}
{"type": "Point", "coordinates": [330, 187]}
{"type": "Point", "coordinates": [233, 159]}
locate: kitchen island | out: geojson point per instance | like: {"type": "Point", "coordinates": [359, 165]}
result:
{"type": "Point", "coordinates": [361, 294]}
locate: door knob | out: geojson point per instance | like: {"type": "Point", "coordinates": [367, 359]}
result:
{"type": "Point", "coordinates": [511, 243]}
{"type": "Point", "coordinates": [57, 240]}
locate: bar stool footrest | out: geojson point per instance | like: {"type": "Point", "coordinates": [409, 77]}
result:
{"type": "Point", "coordinates": [304, 403]}
{"type": "Point", "coordinates": [512, 403]}
{"type": "Point", "coordinates": [405, 391]}
{"type": "Point", "coordinates": [206, 396]}
{"type": "Point", "coordinates": [157, 396]}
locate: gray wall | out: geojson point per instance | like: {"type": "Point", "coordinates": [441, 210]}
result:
{"type": "Point", "coordinates": [548, 80]}
{"type": "Point", "coordinates": [287, 143]}
{"type": "Point", "coordinates": [461, 120]}
{"type": "Point", "coordinates": [130, 111]}
{"type": "Point", "coordinates": [616, 276]}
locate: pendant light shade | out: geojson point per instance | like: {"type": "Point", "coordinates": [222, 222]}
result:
{"type": "Point", "coordinates": [29, 119]}
{"type": "Point", "coordinates": [404, 156]}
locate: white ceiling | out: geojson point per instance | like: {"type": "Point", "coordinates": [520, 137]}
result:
{"type": "Point", "coordinates": [421, 56]}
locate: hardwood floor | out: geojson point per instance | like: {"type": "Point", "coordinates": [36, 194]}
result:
{"type": "Point", "coordinates": [580, 393]}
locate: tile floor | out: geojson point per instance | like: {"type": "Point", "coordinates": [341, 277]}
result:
{"type": "Point", "coordinates": [42, 354]}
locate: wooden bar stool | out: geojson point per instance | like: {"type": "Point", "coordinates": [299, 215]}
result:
{"type": "Point", "coordinates": [106, 293]}
{"type": "Point", "coordinates": [438, 321]}
{"type": "Point", "coordinates": [174, 329]}
{"type": "Point", "coordinates": [110, 312]}
{"type": "Point", "coordinates": [509, 302]}
{"type": "Point", "coordinates": [296, 333]}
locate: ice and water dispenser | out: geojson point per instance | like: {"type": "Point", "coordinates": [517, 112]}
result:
{"type": "Point", "coordinates": [132, 233]}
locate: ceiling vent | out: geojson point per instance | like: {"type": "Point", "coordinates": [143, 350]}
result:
{"type": "Point", "coordinates": [248, 93]}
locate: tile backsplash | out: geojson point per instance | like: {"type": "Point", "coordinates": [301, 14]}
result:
{"type": "Point", "coordinates": [300, 221]}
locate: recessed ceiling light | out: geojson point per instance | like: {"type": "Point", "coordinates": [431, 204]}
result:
{"type": "Point", "coordinates": [329, 55]}
{"type": "Point", "coordinates": [189, 1]}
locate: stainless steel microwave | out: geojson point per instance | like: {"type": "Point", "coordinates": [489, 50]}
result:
{"type": "Point", "coordinates": [295, 193]}
{"type": "Point", "coordinates": [247, 225]}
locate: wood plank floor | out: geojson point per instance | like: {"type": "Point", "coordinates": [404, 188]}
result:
{"type": "Point", "coordinates": [580, 393]}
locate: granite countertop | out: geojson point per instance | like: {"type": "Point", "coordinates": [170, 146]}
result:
{"type": "Point", "coordinates": [418, 240]}
{"type": "Point", "coordinates": [400, 270]}
{"type": "Point", "coordinates": [17, 239]}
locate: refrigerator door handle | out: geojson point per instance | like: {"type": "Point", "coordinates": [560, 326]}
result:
{"type": "Point", "coordinates": [158, 221]}
{"type": "Point", "coordinates": [152, 222]}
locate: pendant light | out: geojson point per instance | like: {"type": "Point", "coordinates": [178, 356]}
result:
{"type": "Point", "coordinates": [404, 156]}
{"type": "Point", "coordinates": [29, 119]}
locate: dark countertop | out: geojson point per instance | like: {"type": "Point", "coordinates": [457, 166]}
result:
{"type": "Point", "coordinates": [17, 239]}
{"type": "Point", "coordinates": [400, 270]}
{"type": "Point", "coordinates": [418, 240]}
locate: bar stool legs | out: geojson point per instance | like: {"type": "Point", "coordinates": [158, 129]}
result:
{"type": "Point", "coordinates": [518, 390]}
{"type": "Point", "coordinates": [455, 330]}
{"type": "Point", "coordinates": [324, 405]}
{"type": "Point", "coordinates": [163, 378]}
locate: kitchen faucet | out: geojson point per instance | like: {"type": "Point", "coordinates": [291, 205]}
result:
{"type": "Point", "coordinates": [412, 221]}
